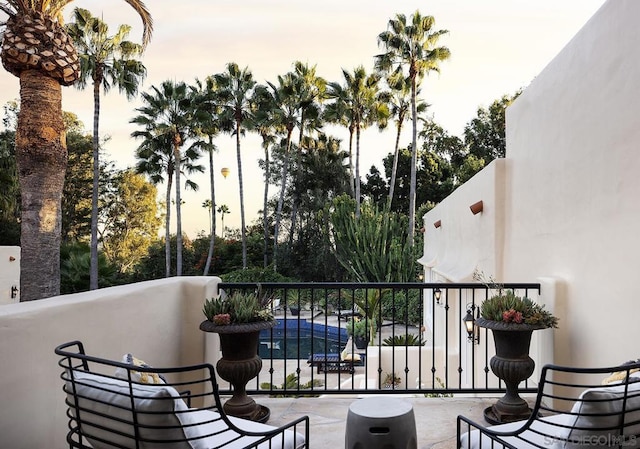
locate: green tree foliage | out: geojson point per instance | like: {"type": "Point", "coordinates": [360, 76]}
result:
{"type": "Point", "coordinates": [485, 135]}
{"type": "Point", "coordinates": [363, 104]}
{"type": "Point", "coordinates": [76, 195]}
{"type": "Point", "coordinates": [75, 267]}
{"type": "Point", "coordinates": [376, 188]}
{"type": "Point", "coordinates": [324, 177]}
{"type": "Point", "coordinates": [9, 191]}
{"type": "Point", "coordinates": [129, 219]}
{"type": "Point", "coordinates": [373, 247]}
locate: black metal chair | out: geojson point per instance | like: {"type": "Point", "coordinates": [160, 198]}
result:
{"type": "Point", "coordinates": [109, 407]}
{"type": "Point", "coordinates": [573, 409]}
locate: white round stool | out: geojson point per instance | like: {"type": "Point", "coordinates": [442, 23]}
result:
{"type": "Point", "coordinates": [381, 423]}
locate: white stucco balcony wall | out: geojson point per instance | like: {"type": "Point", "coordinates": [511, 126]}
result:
{"type": "Point", "coordinates": [155, 320]}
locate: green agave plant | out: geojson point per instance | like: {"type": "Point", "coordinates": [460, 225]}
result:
{"type": "Point", "coordinates": [404, 340]}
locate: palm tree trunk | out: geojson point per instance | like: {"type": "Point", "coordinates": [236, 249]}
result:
{"type": "Point", "coordinates": [352, 183]}
{"type": "Point", "coordinates": [167, 225]}
{"type": "Point", "coordinates": [213, 210]}
{"type": "Point", "coordinates": [283, 188]}
{"type": "Point", "coordinates": [297, 196]}
{"type": "Point", "coordinates": [414, 160]}
{"type": "Point", "coordinates": [265, 202]}
{"type": "Point", "coordinates": [394, 170]}
{"type": "Point", "coordinates": [178, 165]}
{"type": "Point", "coordinates": [41, 156]}
{"type": "Point", "coordinates": [243, 230]}
{"type": "Point", "coordinates": [93, 270]}
{"type": "Point", "coordinates": [357, 177]}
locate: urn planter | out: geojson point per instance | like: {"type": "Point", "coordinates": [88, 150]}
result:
{"type": "Point", "coordinates": [512, 364]}
{"type": "Point", "coordinates": [239, 364]}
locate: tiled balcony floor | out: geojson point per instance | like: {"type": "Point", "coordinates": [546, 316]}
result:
{"type": "Point", "coordinates": [435, 417]}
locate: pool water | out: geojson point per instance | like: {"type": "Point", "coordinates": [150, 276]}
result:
{"type": "Point", "coordinates": [298, 339]}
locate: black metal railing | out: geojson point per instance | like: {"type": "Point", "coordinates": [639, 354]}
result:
{"type": "Point", "coordinates": [309, 352]}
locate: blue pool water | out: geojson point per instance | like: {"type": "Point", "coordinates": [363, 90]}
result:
{"type": "Point", "coordinates": [298, 339]}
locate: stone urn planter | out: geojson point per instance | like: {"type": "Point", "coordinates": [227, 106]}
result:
{"type": "Point", "coordinates": [239, 364]}
{"type": "Point", "coordinates": [512, 364]}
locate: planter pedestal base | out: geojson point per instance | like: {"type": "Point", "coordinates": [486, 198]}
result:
{"type": "Point", "coordinates": [512, 365]}
{"type": "Point", "coordinates": [239, 364]}
{"type": "Point", "coordinates": [494, 416]}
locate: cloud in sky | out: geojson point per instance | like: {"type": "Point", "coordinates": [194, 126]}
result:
{"type": "Point", "coordinates": [497, 47]}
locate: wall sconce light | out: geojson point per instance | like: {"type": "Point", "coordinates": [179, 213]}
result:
{"type": "Point", "coordinates": [473, 334]}
{"type": "Point", "coordinates": [14, 292]}
{"type": "Point", "coordinates": [476, 208]}
{"type": "Point", "coordinates": [437, 294]}
{"type": "Point", "coordinates": [437, 224]}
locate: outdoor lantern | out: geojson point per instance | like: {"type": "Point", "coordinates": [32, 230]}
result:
{"type": "Point", "coordinates": [437, 294]}
{"type": "Point", "coordinates": [470, 325]}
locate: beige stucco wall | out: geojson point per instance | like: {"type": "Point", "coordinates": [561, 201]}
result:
{"type": "Point", "coordinates": [573, 141]}
{"type": "Point", "coordinates": [9, 274]}
{"type": "Point", "coordinates": [571, 189]}
{"type": "Point", "coordinates": [155, 320]}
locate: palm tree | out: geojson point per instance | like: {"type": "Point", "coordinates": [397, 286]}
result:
{"type": "Point", "coordinates": [400, 105]}
{"type": "Point", "coordinates": [235, 88]}
{"type": "Point", "coordinates": [339, 112]}
{"type": "Point", "coordinates": [37, 49]}
{"type": "Point", "coordinates": [204, 97]}
{"type": "Point", "coordinates": [264, 122]}
{"type": "Point", "coordinates": [167, 112]}
{"type": "Point", "coordinates": [310, 92]}
{"type": "Point", "coordinates": [412, 45]}
{"type": "Point", "coordinates": [366, 105]}
{"type": "Point", "coordinates": [284, 107]}
{"type": "Point", "coordinates": [108, 61]}
{"type": "Point", "coordinates": [222, 210]}
{"type": "Point", "coordinates": [155, 159]}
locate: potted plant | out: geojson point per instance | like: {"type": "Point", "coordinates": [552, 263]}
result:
{"type": "Point", "coordinates": [512, 320]}
{"type": "Point", "coordinates": [238, 320]}
{"type": "Point", "coordinates": [358, 330]}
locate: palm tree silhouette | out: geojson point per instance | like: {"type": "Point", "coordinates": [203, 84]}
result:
{"type": "Point", "coordinates": [223, 209]}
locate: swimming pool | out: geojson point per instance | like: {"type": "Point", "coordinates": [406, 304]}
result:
{"type": "Point", "coordinates": [298, 339]}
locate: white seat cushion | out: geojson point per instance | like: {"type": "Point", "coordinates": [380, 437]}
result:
{"type": "Point", "coordinates": [105, 406]}
{"type": "Point", "coordinates": [552, 434]}
{"type": "Point", "coordinates": [162, 415]}
{"type": "Point", "coordinates": [601, 408]}
{"type": "Point", "coordinates": [194, 428]}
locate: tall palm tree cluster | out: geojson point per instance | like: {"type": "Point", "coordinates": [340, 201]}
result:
{"type": "Point", "coordinates": [178, 122]}
{"type": "Point", "coordinates": [233, 102]}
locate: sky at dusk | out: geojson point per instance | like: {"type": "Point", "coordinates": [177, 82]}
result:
{"type": "Point", "coordinates": [497, 47]}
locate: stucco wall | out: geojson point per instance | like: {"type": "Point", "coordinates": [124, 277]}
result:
{"type": "Point", "coordinates": [463, 240]}
{"type": "Point", "coordinates": [572, 189]}
{"type": "Point", "coordinates": [9, 274]}
{"type": "Point", "coordinates": [155, 320]}
{"type": "Point", "coordinates": [573, 142]}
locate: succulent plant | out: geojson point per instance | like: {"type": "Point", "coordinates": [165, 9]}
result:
{"type": "Point", "coordinates": [507, 307]}
{"type": "Point", "coordinates": [239, 307]}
